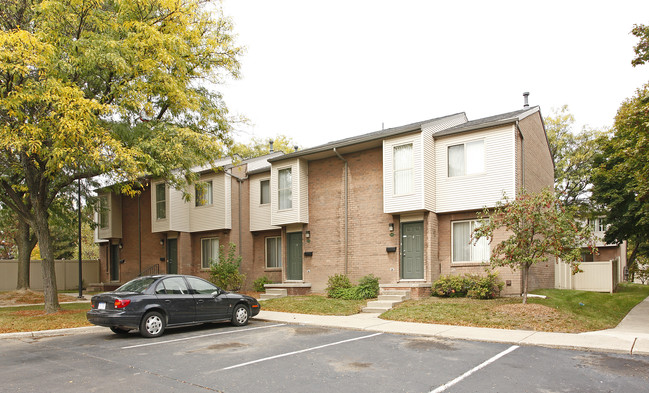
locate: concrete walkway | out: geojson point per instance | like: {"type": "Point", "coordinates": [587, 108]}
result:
{"type": "Point", "coordinates": [631, 336]}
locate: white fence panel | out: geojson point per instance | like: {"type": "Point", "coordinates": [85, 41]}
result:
{"type": "Point", "coordinates": [600, 276]}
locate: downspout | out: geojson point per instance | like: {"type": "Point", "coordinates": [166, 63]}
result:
{"type": "Point", "coordinates": [139, 233]}
{"type": "Point", "coordinates": [522, 156]}
{"type": "Point", "coordinates": [239, 180]}
{"type": "Point", "coordinates": [346, 211]}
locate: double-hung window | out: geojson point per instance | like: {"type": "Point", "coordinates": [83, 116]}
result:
{"type": "Point", "coordinates": [466, 159]}
{"type": "Point", "coordinates": [273, 252]}
{"type": "Point", "coordinates": [160, 201]}
{"type": "Point", "coordinates": [284, 189]}
{"type": "Point", "coordinates": [209, 251]}
{"type": "Point", "coordinates": [404, 176]}
{"type": "Point", "coordinates": [464, 249]}
{"type": "Point", "coordinates": [203, 195]}
{"type": "Point", "coordinates": [264, 187]}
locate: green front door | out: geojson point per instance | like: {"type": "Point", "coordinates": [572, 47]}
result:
{"type": "Point", "coordinates": [172, 256]}
{"type": "Point", "coordinates": [294, 256]}
{"type": "Point", "coordinates": [412, 250]}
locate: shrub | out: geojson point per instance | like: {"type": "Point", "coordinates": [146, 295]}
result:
{"type": "Point", "coordinates": [259, 283]}
{"type": "Point", "coordinates": [470, 285]}
{"type": "Point", "coordinates": [335, 283]}
{"type": "Point", "coordinates": [339, 287]}
{"type": "Point", "coordinates": [224, 272]}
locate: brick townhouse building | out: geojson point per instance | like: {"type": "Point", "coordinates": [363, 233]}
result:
{"type": "Point", "coordinates": [399, 203]}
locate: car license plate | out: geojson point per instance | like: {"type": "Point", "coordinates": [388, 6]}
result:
{"type": "Point", "coordinates": [101, 306]}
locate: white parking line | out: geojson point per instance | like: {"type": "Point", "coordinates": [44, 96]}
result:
{"type": "Point", "coordinates": [300, 351]}
{"type": "Point", "coordinates": [201, 336]}
{"type": "Point", "coordinates": [476, 368]}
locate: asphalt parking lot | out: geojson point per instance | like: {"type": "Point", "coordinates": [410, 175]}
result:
{"type": "Point", "coordinates": [272, 357]}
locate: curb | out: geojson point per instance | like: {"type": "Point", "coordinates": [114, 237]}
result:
{"type": "Point", "coordinates": [50, 333]}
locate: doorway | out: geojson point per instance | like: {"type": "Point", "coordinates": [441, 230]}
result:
{"type": "Point", "coordinates": [412, 250]}
{"type": "Point", "coordinates": [294, 256]}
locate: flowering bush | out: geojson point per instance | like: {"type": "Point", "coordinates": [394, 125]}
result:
{"type": "Point", "coordinates": [470, 285]}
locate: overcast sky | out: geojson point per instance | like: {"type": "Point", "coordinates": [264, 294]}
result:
{"type": "Point", "coordinates": [319, 71]}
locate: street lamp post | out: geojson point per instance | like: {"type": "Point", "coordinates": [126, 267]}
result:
{"type": "Point", "coordinates": [80, 268]}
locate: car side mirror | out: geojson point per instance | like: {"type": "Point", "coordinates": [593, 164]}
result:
{"type": "Point", "coordinates": [216, 293]}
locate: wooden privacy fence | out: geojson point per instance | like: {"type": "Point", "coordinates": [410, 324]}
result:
{"type": "Point", "coordinates": [67, 274]}
{"type": "Point", "coordinates": [601, 276]}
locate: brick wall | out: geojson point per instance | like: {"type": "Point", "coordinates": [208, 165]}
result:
{"type": "Point", "coordinates": [368, 225]}
{"type": "Point", "coordinates": [538, 166]}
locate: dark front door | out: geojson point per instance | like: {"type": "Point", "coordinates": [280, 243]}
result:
{"type": "Point", "coordinates": [412, 250]}
{"type": "Point", "coordinates": [172, 256]}
{"type": "Point", "coordinates": [114, 262]}
{"type": "Point", "coordinates": [294, 256]}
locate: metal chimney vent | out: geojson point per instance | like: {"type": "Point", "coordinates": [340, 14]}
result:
{"type": "Point", "coordinates": [525, 96]}
{"type": "Point", "coordinates": [270, 142]}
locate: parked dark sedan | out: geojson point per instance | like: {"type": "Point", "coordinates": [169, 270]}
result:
{"type": "Point", "coordinates": [153, 303]}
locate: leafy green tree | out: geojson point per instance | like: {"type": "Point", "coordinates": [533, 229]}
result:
{"type": "Point", "coordinates": [540, 227]}
{"type": "Point", "coordinates": [642, 48]}
{"type": "Point", "coordinates": [573, 155]}
{"type": "Point", "coordinates": [224, 272]}
{"type": "Point", "coordinates": [259, 147]}
{"type": "Point", "coordinates": [621, 175]}
{"type": "Point", "coordinates": [117, 87]}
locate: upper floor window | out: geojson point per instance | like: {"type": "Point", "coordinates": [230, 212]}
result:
{"type": "Point", "coordinates": [264, 196]}
{"type": "Point", "coordinates": [160, 201]}
{"type": "Point", "coordinates": [466, 159]}
{"type": "Point", "coordinates": [103, 211]}
{"type": "Point", "coordinates": [209, 251]}
{"type": "Point", "coordinates": [463, 248]}
{"type": "Point", "coordinates": [598, 224]}
{"type": "Point", "coordinates": [285, 189]}
{"type": "Point", "coordinates": [404, 175]}
{"type": "Point", "coordinates": [203, 193]}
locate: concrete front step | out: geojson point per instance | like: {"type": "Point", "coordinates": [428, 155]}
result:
{"type": "Point", "coordinates": [273, 293]}
{"type": "Point", "coordinates": [386, 301]}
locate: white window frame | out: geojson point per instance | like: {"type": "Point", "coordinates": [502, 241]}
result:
{"type": "Point", "coordinates": [162, 202]}
{"type": "Point", "coordinates": [261, 191]}
{"type": "Point", "coordinates": [482, 242]}
{"type": "Point", "coordinates": [408, 171]}
{"type": "Point", "coordinates": [465, 168]}
{"type": "Point", "coordinates": [206, 260]}
{"type": "Point", "coordinates": [284, 191]}
{"type": "Point", "coordinates": [278, 253]}
{"type": "Point", "coordinates": [203, 191]}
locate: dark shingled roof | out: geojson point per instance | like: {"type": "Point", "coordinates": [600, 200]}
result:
{"type": "Point", "coordinates": [485, 122]}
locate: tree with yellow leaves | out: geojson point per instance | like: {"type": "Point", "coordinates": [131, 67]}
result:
{"type": "Point", "coordinates": [124, 88]}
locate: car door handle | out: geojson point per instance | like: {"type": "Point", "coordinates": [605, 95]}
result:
{"type": "Point", "coordinates": [199, 301]}
{"type": "Point", "coordinates": [167, 301]}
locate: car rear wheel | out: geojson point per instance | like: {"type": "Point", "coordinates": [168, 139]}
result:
{"type": "Point", "coordinates": [152, 325]}
{"type": "Point", "coordinates": [240, 315]}
{"type": "Point", "coordinates": [118, 330]}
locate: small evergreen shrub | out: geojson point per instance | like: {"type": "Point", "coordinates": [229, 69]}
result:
{"type": "Point", "coordinates": [259, 283]}
{"type": "Point", "coordinates": [339, 287]}
{"type": "Point", "coordinates": [224, 272]}
{"type": "Point", "coordinates": [336, 283]}
{"type": "Point", "coordinates": [470, 285]}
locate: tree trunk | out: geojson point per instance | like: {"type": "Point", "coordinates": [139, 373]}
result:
{"type": "Point", "coordinates": [42, 229]}
{"type": "Point", "coordinates": [26, 243]}
{"type": "Point", "coordinates": [632, 260]}
{"type": "Point", "coordinates": [526, 270]}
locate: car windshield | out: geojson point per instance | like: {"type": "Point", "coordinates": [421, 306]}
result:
{"type": "Point", "coordinates": [138, 285]}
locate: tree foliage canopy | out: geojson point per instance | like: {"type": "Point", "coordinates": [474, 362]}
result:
{"type": "Point", "coordinates": [259, 147]}
{"type": "Point", "coordinates": [539, 227]}
{"type": "Point", "coordinates": [117, 87]}
{"type": "Point", "coordinates": [642, 47]}
{"type": "Point", "coordinates": [573, 155]}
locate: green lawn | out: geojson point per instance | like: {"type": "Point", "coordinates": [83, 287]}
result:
{"type": "Point", "coordinates": [562, 311]}
{"type": "Point", "coordinates": [314, 304]}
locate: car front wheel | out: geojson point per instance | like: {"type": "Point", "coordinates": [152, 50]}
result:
{"type": "Point", "coordinates": [240, 315]}
{"type": "Point", "coordinates": [152, 325]}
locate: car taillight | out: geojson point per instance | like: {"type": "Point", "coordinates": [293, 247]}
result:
{"type": "Point", "coordinates": [121, 303]}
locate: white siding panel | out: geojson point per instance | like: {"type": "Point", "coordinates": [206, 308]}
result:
{"type": "Point", "coordinates": [299, 187]}
{"type": "Point", "coordinates": [402, 203]}
{"type": "Point", "coordinates": [259, 214]}
{"type": "Point", "coordinates": [480, 190]}
{"type": "Point", "coordinates": [159, 225]}
{"type": "Point", "coordinates": [177, 212]}
{"type": "Point", "coordinates": [216, 215]}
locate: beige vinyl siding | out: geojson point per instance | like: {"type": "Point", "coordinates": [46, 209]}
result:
{"type": "Point", "coordinates": [405, 202]}
{"type": "Point", "coordinates": [214, 216]}
{"type": "Point", "coordinates": [479, 190]}
{"type": "Point", "coordinates": [113, 228]}
{"type": "Point", "coordinates": [259, 214]}
{"type": "Point", "coordinates": [298, 213]}
{"type": "Point", "coordinates": [178, 213]}
{"type": "Point", "coordinates": [161, 225]}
